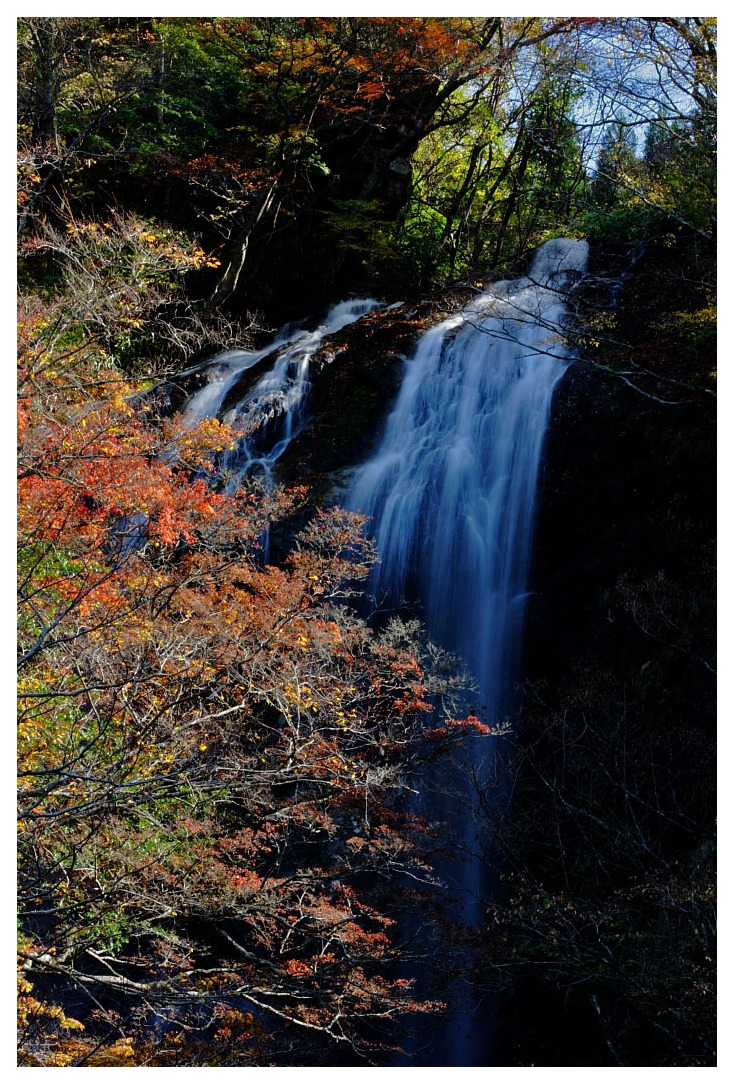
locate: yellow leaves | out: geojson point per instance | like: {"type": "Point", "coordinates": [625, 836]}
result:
{"type": "Point", "coordinates": [699, 318]}
{"type": "Point", "coordinates": [121, 1048]}
{"type": "Point", "coordinates": [30, 1007]}
{"type": "Point", "coordinates": [195, 445]}
{"type": "Point", "coordinates": [301, 696]}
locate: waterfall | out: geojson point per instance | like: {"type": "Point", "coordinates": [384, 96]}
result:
{"type": "Point", "coordinates": [450, 494]}
{"type": "Point", "coordinates": [450, 491]}
{"type": "Point", "coordinates": [272, 412]}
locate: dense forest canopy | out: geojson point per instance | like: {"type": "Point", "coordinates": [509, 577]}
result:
{"type": "Point", "coordinates": [215, 752]}
{"type": "Point", "coordinates": [424, 147]}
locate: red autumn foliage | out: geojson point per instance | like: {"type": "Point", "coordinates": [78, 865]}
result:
{"type": "Point", "coordinates": [212, 751]}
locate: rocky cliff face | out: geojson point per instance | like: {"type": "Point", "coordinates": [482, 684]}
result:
{"type": "Point", "coordinates": [627, 494]}
{"type": "Point", "coordinates": [627, 488]}
{"type": "Point", "coordinates": [608, 845]}
{"type": "Point", "coordinates": [614, 766]}
{"type": "Point", "coordinates": [353, 386]}
{"type": "Point", "coordinates": [623, 557]}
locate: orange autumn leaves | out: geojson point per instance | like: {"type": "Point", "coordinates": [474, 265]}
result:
{"type": "Point", "coordinates": [212, 750]}
{"type": "Point", "coordinates": [198, 734]}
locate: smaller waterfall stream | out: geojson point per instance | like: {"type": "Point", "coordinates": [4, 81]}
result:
{"type": "Point", "coordinates": [272, 412]}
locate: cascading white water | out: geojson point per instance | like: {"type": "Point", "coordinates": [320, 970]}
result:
{"type": "Point", "coordinates": [271, 413]}
{"type": "Point", "coordinates": [450, 494]}
{"type": "Point", "coordinates": [450, 491]}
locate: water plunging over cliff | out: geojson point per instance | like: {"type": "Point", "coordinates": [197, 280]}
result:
{"type": "Point", "coordinates": [450, 493]}
{"type": "Point", "coordinates": [271, 413]}
{"type": "Point", "coordinates": [451, 489]}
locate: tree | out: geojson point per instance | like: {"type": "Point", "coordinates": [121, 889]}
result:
{"type": "Point", "coordinates": [615, 164]}
{"type": "Point", "coordinates": [608, 912]}
{"type": "Point", "coordinates": [73, 76]}
{"type": "Point", "coordinates": [266, 128]}
{"type": "Point", "coordinates": [345, 103]}
{"type": "Point", "coordinates": [500, 166]}
{"type": "Point", "coordinates": [212, 752]}
{"type": "Point", "coordinates": [659, 75]}
{"type": "Point", "coordinates": [215, 753]}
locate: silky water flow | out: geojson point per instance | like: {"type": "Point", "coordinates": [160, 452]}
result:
{"type": "Point", "coordinates": [272, 411]}
{"type": "Point", "coordinates": [450, 498]}
{"type": "Point", "coordinates": [450, 495]}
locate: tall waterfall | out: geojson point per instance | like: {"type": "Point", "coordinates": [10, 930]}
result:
{"type": "Point", "coordinates": [450, 494]}
{"type": "Point", "coordinates": [272, 412]}
{"type": "Point", "coordinates": [451, 489]}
